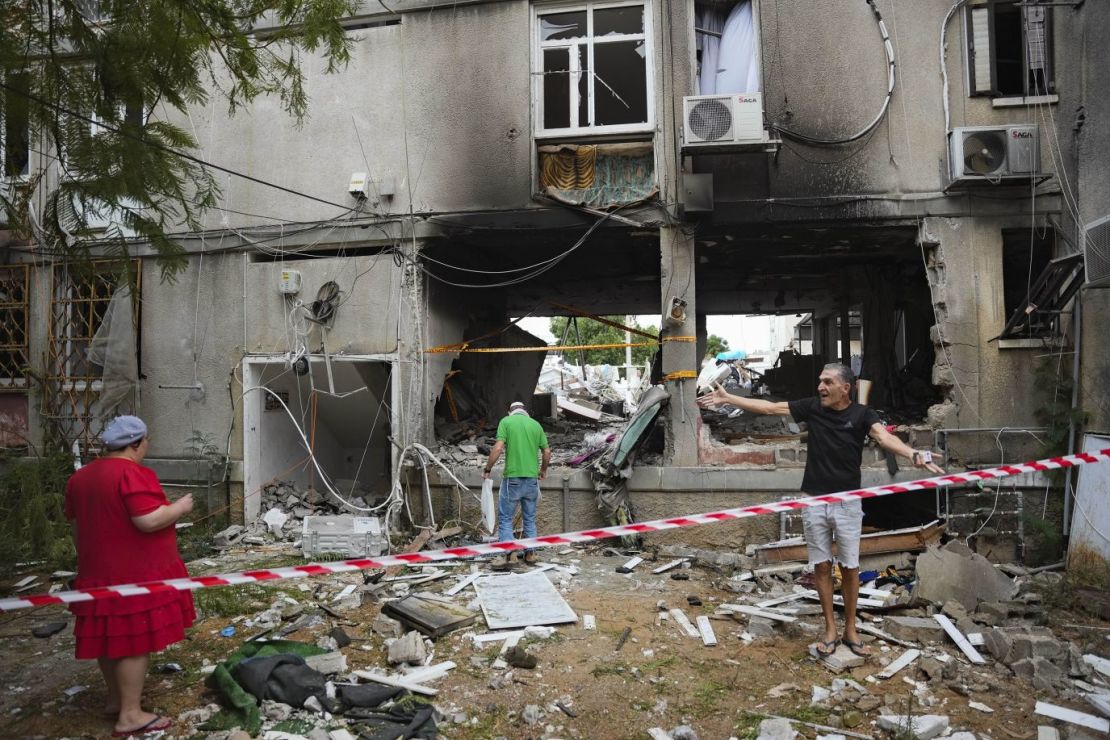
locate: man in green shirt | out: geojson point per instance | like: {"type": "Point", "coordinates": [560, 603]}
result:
{"type": "Point", "coordinates": [521, 438]}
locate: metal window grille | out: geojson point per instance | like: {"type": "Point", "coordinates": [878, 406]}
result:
{"type": "Point", "coordinates": [13, 328]}
{"type": "Point", "coordinates": [79, 302]}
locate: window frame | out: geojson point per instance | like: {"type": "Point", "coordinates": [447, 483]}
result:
{"type": "Point", "coordinates": [10, 273]}
{"type": "Point", "coordinates": [538, 46]}
{"type": "Point", "coordinates": [5, 176]}
{"type": "Point", "coordinates": [970, 52]}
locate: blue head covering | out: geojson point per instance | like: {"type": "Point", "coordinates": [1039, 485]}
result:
{"type": "Point", "coordinates": [123, 431]}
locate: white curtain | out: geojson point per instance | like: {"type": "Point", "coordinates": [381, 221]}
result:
{"type": "Point", "coordinates": [729, 64]}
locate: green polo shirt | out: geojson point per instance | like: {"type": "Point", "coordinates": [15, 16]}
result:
{"type": "Point", "coordinates": [524, 438]}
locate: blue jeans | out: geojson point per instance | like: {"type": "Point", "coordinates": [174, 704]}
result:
{"type": "Point", "coordinates": [523, 491]}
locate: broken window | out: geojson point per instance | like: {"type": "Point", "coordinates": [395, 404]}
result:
{"type": "Point", "coordinates": [15, 131]}
{"type": "Point", "coordinates": [592, 69]}
{"type": "Point", "coordinates": [1009, 49]}
{"type": "Point", "coordinates": [1036, 287]}
{"type": "Point", "coordinates": [726, 47]}
{"type": "Point", "coordinates": [93, 348]}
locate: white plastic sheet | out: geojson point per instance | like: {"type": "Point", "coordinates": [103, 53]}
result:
{"type": "Point", "coordinates": [489, 511]}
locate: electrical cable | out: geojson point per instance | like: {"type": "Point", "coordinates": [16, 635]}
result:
{"type": "Point", "coordinates": [891, 80]}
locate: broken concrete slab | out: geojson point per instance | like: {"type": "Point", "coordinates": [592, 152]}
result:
{"type": "Point", "coordinates": [914, 629]}
{"type": "Point", "coordinates": [522, 600]}
{"type": "Point", "coordinates": [776, 729]}
{"type": "Point", "coordinates": [1042, 673]}
{"type": "Point", "coordinates": [838, 660]}
{"type": "Point", "coordinates": [954, 572]}
{"type": "Point", "coordinates": [328, 663]}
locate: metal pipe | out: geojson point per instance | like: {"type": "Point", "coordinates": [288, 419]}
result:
{"type": "Point", "coordinates": [1069, 490]}
{"type": "Point", "coordinates": [566, 503]}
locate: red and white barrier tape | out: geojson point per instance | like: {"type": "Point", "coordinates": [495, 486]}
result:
{"type": "Point", "coordinates": [590, 535]}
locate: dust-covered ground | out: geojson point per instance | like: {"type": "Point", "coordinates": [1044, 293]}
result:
{"type": "Point", "coordinates": [659, 677]}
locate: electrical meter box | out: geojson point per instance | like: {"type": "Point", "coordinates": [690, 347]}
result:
{"type": "Point", "coordinates": [348, 536]}
{"type": "Point", "coordinates": [289, 282]}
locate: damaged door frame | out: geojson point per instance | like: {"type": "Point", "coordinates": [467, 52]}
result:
{"type": "Point", "coordinates": [252, 414]}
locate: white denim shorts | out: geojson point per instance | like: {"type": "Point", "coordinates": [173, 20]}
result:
{"type": "Point", "coordinates": [842, 522]}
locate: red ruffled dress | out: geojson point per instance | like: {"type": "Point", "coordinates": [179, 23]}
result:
{"type": "Point", "coordinates": [101, 498]}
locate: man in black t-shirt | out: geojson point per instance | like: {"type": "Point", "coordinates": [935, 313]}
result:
{"type": "Point", "coordinates": [838, 427]}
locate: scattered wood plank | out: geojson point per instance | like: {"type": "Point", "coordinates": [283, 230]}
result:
{"type": "Point", "coordinates": [510, 643]}
{"type": "Point", "coordinates": [668, 566]}
{"type": "Point", "coordinates": [875, 631]}
{"type": "Point", "coordinates": [1102, 665]}
{"type": "Point", "coordinates": [622, 639]}
{"type": "Point", "coordinates": [899, 663]}
{"type": "Point", "coordinates": [911, 539]}
{"type": "Point", "coordinates": [838, 600]}
{"type": "Point", "coordinates": [445, 533]}
{"type": "Point", "coordinates": [781, 600]}
{"type": "Point", "coordinates": [495, 636]}
{"type": "Point", "coordinates": [393, 681]}
{"type": "Point", "coordinates": [822, 728]}
{"type": "Point", "coordinates": [1071, 716]}
{"type": "Point", "coordinates": [565, 404]}
{"type": "Point", "coordinates": [684, 622]}
{"type": "Point", "coordinates": [424, 674]}
{"type": "Point", "coordinates": [630, 565]}
{"type": "Point", "coordinates": [752, 611]}
{"type": "Point", "coordinates": [706, 629]}
{"type": "Point", "coordinates": [958, 637]}
{"type": "Point", "coordinates": [463, 584]}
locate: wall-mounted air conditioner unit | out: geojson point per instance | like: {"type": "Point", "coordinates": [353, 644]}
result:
{"type": "Point", "coordinates": [994, 153]}
{"type": "Point", "coordinates": [722, 120]}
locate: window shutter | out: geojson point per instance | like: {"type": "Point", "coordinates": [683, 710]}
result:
{"type": "Point", "coordinates": [979, 51]}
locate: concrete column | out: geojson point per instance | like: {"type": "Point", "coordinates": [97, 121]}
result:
{"type": "Point", "coordinates": [677, 280]}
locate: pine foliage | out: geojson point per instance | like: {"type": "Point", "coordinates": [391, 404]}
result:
{"type": "Point", "coordinates": [96, 80]}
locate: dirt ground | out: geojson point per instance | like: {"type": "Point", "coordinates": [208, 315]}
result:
{"type": "Point", "coordinates": [659, 678]}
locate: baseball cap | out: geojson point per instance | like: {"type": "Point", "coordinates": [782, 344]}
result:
{"type": "Point", "coordinates": [122, 431]}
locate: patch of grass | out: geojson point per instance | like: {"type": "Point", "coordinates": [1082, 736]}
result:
{"type": "Point", "coordinates": [747, 727]}
{"type": "Point", "coordinates": [709, 693]}
{"type": "Point", "coordinates": [613, 669]}
{"type": "Point", "coordinates": [487, 726]}
{"type": "Point", "coordinates": [231, 602]}
{"type": "Point", "coordinates": [658, 663]}
{"type": "Point", "coordinates": [812, 714]}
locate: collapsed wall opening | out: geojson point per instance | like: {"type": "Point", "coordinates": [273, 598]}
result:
{"type": "Point", "coordinates": [335, 410]}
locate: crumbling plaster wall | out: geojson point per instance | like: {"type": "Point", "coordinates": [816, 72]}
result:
{"type": "Point", "coordinates": [1088, 93]}
{"type": "Point", "coordinates": [441, 103]}
{"type": "Point", "coordinates": [831, 84]}
{"type": "Point", "coordinates": [984, 386]}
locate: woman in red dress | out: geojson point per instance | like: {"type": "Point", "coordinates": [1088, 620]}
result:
{"type": "Point", "coordinates": [123, 527]}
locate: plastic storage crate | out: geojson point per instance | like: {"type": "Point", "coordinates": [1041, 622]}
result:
{"type": "Point", "coordinates": [350, 536]}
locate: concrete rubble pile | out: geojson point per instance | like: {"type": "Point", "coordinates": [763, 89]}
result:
{"type": "Point", "coordinates": [1000, 622]}
{"type": "Point", "coordinates": [285, 505]}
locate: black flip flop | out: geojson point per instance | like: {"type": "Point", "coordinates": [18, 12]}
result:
{"type": "Point", "coordinates": [857, 648]}
{"type": "Point", "coordinates": [829, 644]}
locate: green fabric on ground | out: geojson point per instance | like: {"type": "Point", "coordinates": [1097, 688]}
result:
{"type": "Point", "coordinates": [243, 711]}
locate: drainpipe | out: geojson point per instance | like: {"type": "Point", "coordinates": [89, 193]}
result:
{"type": "Point", "coordinates": [1077, 323]}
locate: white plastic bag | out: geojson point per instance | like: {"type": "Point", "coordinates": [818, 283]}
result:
{"type": "Point", "coordinates": [489, 511]}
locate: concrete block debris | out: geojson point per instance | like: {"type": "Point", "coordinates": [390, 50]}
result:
{"type": "Point", "coordinates": [954, 572]}
{"type": "Point", "coordinates": [776, 729]}
{"type": "Point", "coordinates": [408, 649]}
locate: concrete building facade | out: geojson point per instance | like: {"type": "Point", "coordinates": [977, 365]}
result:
{"type": "Point", "coordinates": [477, 125]}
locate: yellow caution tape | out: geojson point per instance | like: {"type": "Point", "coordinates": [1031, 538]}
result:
{"type": "Point", "coordinates": [465, 347]}
{"type": "Point", "coordinates": [680, 375]}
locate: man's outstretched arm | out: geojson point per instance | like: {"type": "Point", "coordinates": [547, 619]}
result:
{"type": "Point", "coordinates": [720, 397]}
{"type": "Point", "coordinates": [891, 443]}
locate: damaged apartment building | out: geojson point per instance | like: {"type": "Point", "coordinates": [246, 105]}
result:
{"type": "Point", "coordinates": [927, 180]}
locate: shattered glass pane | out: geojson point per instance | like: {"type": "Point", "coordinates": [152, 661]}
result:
{"type": "Point", "coordinates": [609, 21]}
{"type": "Point", "coordinates": [620, 84]}
{"type": "Point", "coordinates": [555, 26]}
{"type": "Point", "coordinates": [556, 88]}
